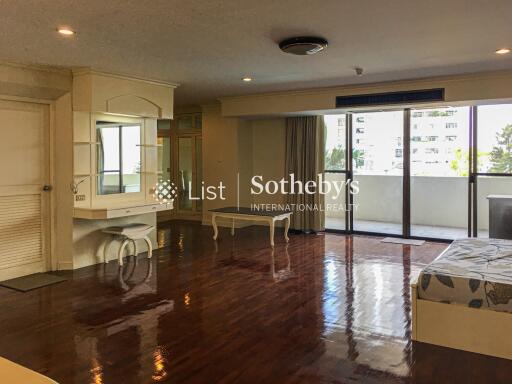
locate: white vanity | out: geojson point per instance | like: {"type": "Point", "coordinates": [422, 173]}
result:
{"type": "Point", "coordinates": [115, 157]}
{"type": "Point", "coordinates": [112, 211]}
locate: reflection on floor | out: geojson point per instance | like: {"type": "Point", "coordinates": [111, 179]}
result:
{"type": "Point", "coordinates": [429, 231]}
{"type": "Point", "coordinates": [323, 309]}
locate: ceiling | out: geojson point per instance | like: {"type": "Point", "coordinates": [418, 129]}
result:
{"type": "Point", "coordinates": [209, 45]}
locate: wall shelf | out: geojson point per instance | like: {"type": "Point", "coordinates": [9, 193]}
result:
{"type": "Point", "coordinates": [86, 143]}
{"type": "Point", "coordinates": [149, 145]}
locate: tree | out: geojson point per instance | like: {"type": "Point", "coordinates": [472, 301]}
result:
{"type": "Point", "coordinates": [461, 162]}
{"type": "Point", "coordinates": [335, 159]}
{"type": "Point", "coordinates": [501, 154]}
{"type": "Point", "coordinates": [358, 157]}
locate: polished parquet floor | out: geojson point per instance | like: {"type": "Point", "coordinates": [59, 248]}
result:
{"type": "Point", "coordinates": [327, 308]}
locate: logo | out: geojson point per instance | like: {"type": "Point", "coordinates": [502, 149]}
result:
{"type": "Point", "coordinates": [165, 191]}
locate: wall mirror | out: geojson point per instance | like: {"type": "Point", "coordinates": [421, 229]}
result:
{"type": "Point", "coordinates": [118, 157]}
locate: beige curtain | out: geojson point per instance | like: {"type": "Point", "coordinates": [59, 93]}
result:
{"type": "Point", "coordinates": [305, 159]}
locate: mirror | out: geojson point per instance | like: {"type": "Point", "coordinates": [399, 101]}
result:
{"type": "Point", "coordinates": [118, 157]}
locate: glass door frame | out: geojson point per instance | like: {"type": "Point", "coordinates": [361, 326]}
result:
{"type": "Point", "coordinates": [347, 171]}
{"type": "Point", "coordinates": [406, 198]}
{"type": "Point", "coordinates": [472, 227]}
{"type": "Point", "coordinates": [193, 213]}
{"type": "Point", "coordinates": [174, 134]}
{"type": "Point", "coordinates": [475, 174]}
{"type": "Point", "coordinates": [349, 175]}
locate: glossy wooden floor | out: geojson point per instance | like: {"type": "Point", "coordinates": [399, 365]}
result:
{"type": "Point", "coordinates": [325, 309]}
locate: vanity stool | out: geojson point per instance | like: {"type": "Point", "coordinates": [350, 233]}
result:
{"type": "Point", "coordinates": [131, 232]}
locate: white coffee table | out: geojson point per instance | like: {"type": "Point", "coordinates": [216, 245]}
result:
{"type": "Point", "coordinates": [244, 213]}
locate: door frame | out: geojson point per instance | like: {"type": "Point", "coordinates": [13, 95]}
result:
{"type": "Point", "coordinates": [193, 214]}
{"type": "Point", "coordinates": [49, 204]}
{"type": "Point", "coordinates": [174, 135]}
{"type": "Point", "coordinates": [472, 177]}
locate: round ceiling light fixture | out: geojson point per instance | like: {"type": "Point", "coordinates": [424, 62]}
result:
{"type": "Point", "coordinates": [303, 45]}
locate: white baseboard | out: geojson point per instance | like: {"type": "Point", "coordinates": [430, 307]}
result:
{"type": "Point", "coordinates": [64, 265]}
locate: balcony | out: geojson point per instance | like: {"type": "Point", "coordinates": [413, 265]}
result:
{"type": "Point", "coordinates": [439, 205]}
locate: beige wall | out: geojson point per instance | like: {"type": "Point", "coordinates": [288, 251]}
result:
{"type": "Point", "coordinates": [63, 173]}
{"type": "Point", "coordinates": [220, 156]}
{"type": "Point", "coordinates": [234, 147]}
{"type": "Point", "coordinates": [474, 88]}
{"type": "Point", "coordinates": [268, 146]}
{"type": "Point", "coordinates": [36, 82]}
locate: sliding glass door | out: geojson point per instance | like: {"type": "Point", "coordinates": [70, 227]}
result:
{"type": "Point", "coordinates": [439, 151]}
{"type": "Point", "coordinates": [335, 161]}
{"type": "Point", "coordinates": [377, 163]}
{"type": "Point", "coordinates": [493, 164]}
{"type": "Point", "coordinates": [423, 172]}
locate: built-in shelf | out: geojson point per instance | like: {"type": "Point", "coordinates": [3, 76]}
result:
{"type": "Point", "coordinates": [86, 143]}
{"type": "Point", "coordinates": [150, 145]}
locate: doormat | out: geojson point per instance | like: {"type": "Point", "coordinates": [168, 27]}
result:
{"type": "Point", "coordinates": [397, 240]}
{"type": "Point", "coordinates": [30, 282]}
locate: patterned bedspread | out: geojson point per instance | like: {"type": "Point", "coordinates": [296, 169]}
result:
{"type": "Point", "coordinates": [471, 272]}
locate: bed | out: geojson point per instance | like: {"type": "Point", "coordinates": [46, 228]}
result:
{"type": "Point", "coordinates": [463, 299]}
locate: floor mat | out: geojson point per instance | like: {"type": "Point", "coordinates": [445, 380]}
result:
{"type": "Point", "coordinates": [397, 240]}
{"type": "Point", "coordinates": [30, 282]}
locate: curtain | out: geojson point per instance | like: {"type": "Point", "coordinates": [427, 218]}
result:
{"type": "Point", "coordinates": [305, 159]}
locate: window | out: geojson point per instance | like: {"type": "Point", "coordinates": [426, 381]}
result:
{"type": "Point", "coordinates": [447, 152]}
{"type": "Point", "coordinates": [494, 137]}
{"type": "Point", "coordinates": [334, 155]}
{"type": "Point", "coordinates": [118, 157]}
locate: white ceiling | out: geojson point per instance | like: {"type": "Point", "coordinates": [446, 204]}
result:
{"type": "Point", "coordinates": [208, 45]}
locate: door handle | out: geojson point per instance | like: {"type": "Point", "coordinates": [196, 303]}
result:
{"type": "Point", "coordinates": [47, 188]}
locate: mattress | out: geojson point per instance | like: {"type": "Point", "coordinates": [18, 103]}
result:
{"type": "Point", "coordinates": [475, 273]}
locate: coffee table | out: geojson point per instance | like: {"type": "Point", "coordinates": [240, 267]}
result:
{"type": "Point", "coordinates": [248, 214]}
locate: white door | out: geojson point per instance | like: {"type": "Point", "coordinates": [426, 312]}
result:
{"type": "Point", "coordinates": [24, 164]}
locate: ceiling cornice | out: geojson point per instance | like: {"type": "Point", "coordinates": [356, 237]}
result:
{"type": "Point", "coordinates": [89, 71]}
{"type": "Point", "coordinates": [370, 86]}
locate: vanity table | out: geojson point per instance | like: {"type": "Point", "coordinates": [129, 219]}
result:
{"type": "Point", "coordinates": [113, 211]}
{"type": "Point", "coordinates": [115, 160]}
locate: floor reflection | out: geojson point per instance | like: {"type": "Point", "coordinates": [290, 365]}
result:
{"type": "Point", "coordinates": [322, 309]}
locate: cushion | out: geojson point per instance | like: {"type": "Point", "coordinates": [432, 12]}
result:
{"type": "Point", "coordinates": [129, 229]}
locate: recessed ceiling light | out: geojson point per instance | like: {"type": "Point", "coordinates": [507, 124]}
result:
{"type": "Point", "coordinates": [247, 79]}
{"type": "Point", "coordinates": [503, 51]}
{"type": "Point", "coordinates": [66, 31]}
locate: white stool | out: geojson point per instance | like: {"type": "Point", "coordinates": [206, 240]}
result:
{"type": "Point", "coordinates": [131, 232]}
